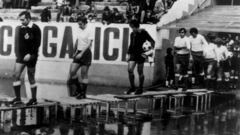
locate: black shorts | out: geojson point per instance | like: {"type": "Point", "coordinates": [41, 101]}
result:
{"type": "Point", "coordinates": [137, 58]}
{"type": "Point", "coordinates": [31, 64]}
{"type": "Point", "coordinates": [170, 73]}
{"type": "Point", "coordinates": [225, 65]}
{"type": "Point", "coordinates": [86, 58]}
{"type": "Point", "coordinates": [234, 63]}
{"type": "Point", "coordinates": [183, 60]}
{"type": "Point", "coordinates": [197, 56]}
{"type": "Point", "coordinates": [210, 62]}
{"type": "Point", "coordinates": [198, 61]}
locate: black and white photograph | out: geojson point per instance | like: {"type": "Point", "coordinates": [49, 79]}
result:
{"type": "Point", "coordinates": [119, 67]}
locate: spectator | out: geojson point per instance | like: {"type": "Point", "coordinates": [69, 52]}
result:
{"type": "Point", "coordinates": [159, 9]}
{"type": "Point", "coordinates": [59, 14]}
{"type": "Point", "coordinates": [168, 3]}
{"type": "Point", "coordinates": [146, 7]}
{"type": "Point", "coordinates": [128, 14]}
{"type": "Point", "coordinates": [91, 13]}
{"type": "Point", "coordinates": [67, 11]}
{"type": "Point", "coordinates": [149, 18]}
{"type": "Point", "coordinates": [88, 2]}
{"type": "Point", "coordinates": [132, 11]}
{"type": "Point", "coordinates": [106, 16]}
{"type": "Point", "coordinates": [59, 3]}
{"type": "Point", "coordinates": [117, 17]}
{"type": "Point", "coordinates": [73, 17]}
{"type": "Point", "coordinates": [91, 18]}
{"type": "Point", "coordinates": [46, 15]}
{"type": "Point", "coordinates": [91, 9]}
{"type": "Point", "coordinates": [81, 14]}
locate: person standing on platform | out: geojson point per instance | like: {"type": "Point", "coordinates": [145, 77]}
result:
{"type": "Point", "coordinates": [197, 43]}
{"type": "Point", "coordinates": [134, 55]}
{"type": "Point", "coordinates": [222, 55]}
{"type": "Point", "coordinates": [29, 40]}
{"type": "Point", "coordinates": [182, 50]}
{"type": "Point", "coordinates": [210, 61]}
{"type": "Point", "coordinates": [169, 67]}
{"type": "Point", "coordinates": [81, 59]}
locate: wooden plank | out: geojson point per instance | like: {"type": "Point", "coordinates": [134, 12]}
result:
{"type": "Point", "coordinates": [40, 104]}
{"type": "Point", "coordinates": [104, 98]}
{"type": "Point", "coordinates": [72, 101]}
{"type": "Point", "coordinates": [154, 93]}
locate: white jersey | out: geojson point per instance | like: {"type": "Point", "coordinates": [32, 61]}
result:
{"type": "Point", "coordinates": [222, 53]}
{"type": "Point", "coordinates": [197, 43]}
{"type": "Point", "coordinates": [209, 51]}
{"type": "Point", "coordinates": [182, 43]}
{"type": "Point", "coordinates": [84, 37]}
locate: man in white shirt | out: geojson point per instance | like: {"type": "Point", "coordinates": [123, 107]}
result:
{"type": "Point", "coordinates": [82, 58]}
{"type": "Point", "coordinates": [182, 50]}
{"type": "Point", "coordinates": [210, 59]}
{"type": "Point", "coordinates": [197, 43]}
{"type": "Point", "coordinates": [222, 55]}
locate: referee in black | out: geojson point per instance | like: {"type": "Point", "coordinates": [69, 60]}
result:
{"type": "Point", "coordinates": [28, 42]}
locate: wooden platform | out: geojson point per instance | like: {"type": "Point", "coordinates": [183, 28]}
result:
{"type": "Point", "coordinates": [155, 93]}
{"type": "Point", "coordinates": [68, 106]}
{"type": "Point", "coordinates": [22, 115]}
{"type": "Point", "coordinates": [114, 104]}
{"type": "Point", "coordinates": [4, 100]}
{"type": "Point", "coordinates": [73, 102]}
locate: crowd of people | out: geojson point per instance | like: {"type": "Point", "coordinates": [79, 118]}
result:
{"type": "Point", "coordinates": [18, 3]}
{"type": "Point", "coordinates": [146, 12]}
{"type": "Point", "coordinates": [211, 61]}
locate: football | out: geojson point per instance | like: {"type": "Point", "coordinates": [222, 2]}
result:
{"type": "Point", "coordinates": [148, 50]}
{"type": "Point", "coordinates": [147, 46]}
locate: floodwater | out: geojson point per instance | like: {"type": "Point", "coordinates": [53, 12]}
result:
{"type": "Point", "coordinates": [221, 118]}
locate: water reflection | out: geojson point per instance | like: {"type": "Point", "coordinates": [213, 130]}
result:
{"type": "Point", "coordinates": [222, 119]}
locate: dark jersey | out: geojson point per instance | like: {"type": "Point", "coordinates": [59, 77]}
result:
{"type": "Point", "coordinates": [136, 41]}
{"type": "Point", "coordinates": [169, 65]}
{"type": "Point", "coordinates": [169, 61]}
{"type": "Point", "coordinates": [29, 40]}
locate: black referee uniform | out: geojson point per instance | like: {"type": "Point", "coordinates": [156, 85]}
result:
{"type": "Point", "coordinates": [29, 41]}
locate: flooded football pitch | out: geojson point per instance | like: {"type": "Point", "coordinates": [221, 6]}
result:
{"type": "Point", "coordinates": [222, 117]}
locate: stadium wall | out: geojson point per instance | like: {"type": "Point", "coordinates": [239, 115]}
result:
{"type": "Point", "coordinates": [55, 54]}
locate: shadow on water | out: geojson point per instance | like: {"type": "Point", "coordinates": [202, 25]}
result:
{"type": "Point", "coordinates": [223, 118]}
